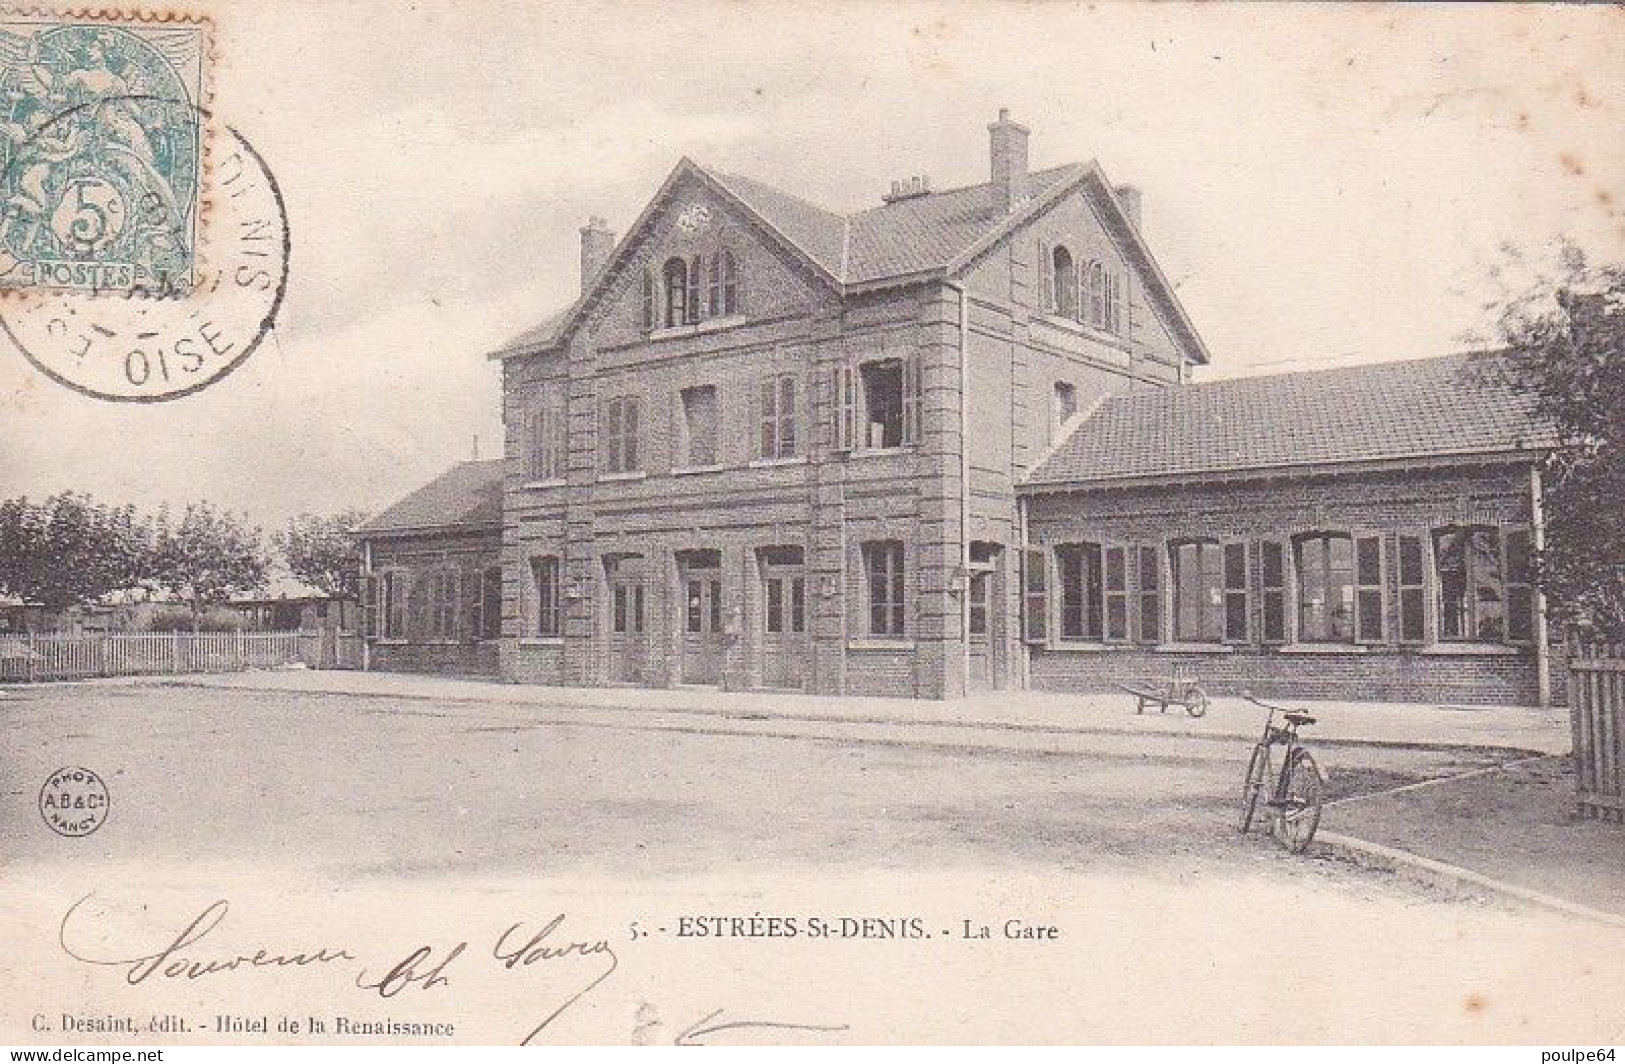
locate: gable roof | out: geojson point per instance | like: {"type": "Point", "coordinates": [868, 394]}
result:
{"type": "Point", "coordinates": [465, 498]}
{"type": "Point", "coordinates": [934, 234]}
{"type": "Point", "coordinates": [1454, 405]}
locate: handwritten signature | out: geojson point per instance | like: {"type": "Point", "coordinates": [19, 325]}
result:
{"type": "Point", "coordinates": [424, 968]}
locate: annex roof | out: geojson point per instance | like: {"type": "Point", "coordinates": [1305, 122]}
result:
{"type": "Point", "coordinates": [466, 497]}
{"type": "Point", "coordinates": [1454, 405]}
{"type": "Point", "coordinates": [936, 233]}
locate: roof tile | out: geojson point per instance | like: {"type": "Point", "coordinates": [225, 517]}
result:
{"type": "Point", "coordinates": [466, 497]}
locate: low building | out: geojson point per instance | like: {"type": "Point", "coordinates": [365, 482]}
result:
{"type": "Point", "coordinates": [1359, 533]}
{"type": "Point", "coordinates": [432, 584]}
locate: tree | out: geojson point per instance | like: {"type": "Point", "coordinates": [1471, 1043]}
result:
{"type": "Point", "coordinates": [71, 550]}
{"type": "Point", "coordinates": [208, 557]}
{"type": "Point", "coordinates": [321, 551]}
{"type": "Point", "coordinates": [1566, 341]}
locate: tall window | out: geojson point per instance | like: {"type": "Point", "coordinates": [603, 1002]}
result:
{"type": "Point", "coordinates": [1326, 588]}
{"type": "Point", "coordinates": [619, 443]}
{"type": "Point", "coordinates": [392, 596]}
{"type": "Point", "coordinates": [675, 277]}
{"type": "Point", "coordinates": [1064, 280]}
{"type": "Point", "coordinates": [722, 289]}
{"type": "Point", "coordinates": [883, 567]}
{"type": "Point", "coordinates": [1210, 591]}
{"type": "Point", "coordinates": [1064, 406]}
{"type": "Point", "coordinates": [1095, 282]}
{"type": "Point", "coordinates": [887, 413]}
{"type": "Point", "coordinates": [441, 617]}
{"type": "Point", "coordinates": [778, 416]}
{"type": "Point", "coordinates": [650, 317]}
{"type": "Point", "coordinates": [544, 574]}
{"type": "Point", "coordinates": [546, 438]}
{"type": "Point", "coordinates": [1079, 568]}
{"type": "Point", "coordinates": [1472, 593]}
{"type": "Point", "coordinates": [1520, 593]}
{"type": "Point", "coordinates": [700, 425]}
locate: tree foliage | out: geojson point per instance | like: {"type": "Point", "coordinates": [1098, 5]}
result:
{"type": "Point", "coordinates": [1566, 341]}
{"type": "Point", "coordinates": [71, 550]}
{"type": "Point", "coordinates": [207, 557]}
{"type": "Point", "coordinates": [319, 550]}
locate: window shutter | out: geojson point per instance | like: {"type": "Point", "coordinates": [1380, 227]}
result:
{"type": "Point", "coordinates": [769, 421]}
{"type": "Point", "coordinates": [714, 293]}
{"type": "Point", "coordinates": [470, 603]}
{"type": "Point", "coordinates": [912, 392]}
{"type": "Point", "coordinates": [736, 282]}
{"type": "Point", "coordinates": [611, 431]}
{"type": "Point", "coordinates": [787, 417]}
{"type": "Point", "coordinates": [846, 408]}
{"type": "Point", "coordinates": [629, 427]}
{"type": "Point", "coordinates": [1369, 606]}
{"type": "Point", "coordinates": [648, 299]}
{"type": "Point", "coordinates": [369, 606]}
{"type": "Point", "coordinates": [1272, 577]}
{"type": "Point", "coordinates": [1237, 595]}
{"type": "Point", "coordinates": [1080, 290]}
{"type": "Point", "coordinates": [1116, 323]}
{"type": "Point", "coordinates": [696, 282]}
{"type": "Point", "coordinates": [1035, 596]}
{"type": "Point", "coordinates": [1046, 277]}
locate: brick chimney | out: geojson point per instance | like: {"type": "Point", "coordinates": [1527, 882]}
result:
{"type": "Point", "coordinates": [1132, 200]}
{"type": "Point", "coordinates": [596, 243]}
{"type": "Point", "coordinates": [1007, 142]}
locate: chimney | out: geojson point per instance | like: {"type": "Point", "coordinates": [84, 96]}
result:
{"type": "Point", "coordinates": [596, 244]}
{"type": "Point", "coordinates": [1008, 143]}
{"type": "Point", "coordinates": [1132, 200]}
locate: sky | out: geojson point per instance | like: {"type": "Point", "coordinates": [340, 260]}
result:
{"type": "Point", "coordinates": [1322, 186]}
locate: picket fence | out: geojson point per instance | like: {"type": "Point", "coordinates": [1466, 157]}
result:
{"type": "Point", "coordinates": [1597, 710]}
{"type": "Point", "coordinates": [34, 657]}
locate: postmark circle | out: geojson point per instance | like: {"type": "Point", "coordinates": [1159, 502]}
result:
{"type": "Point", "coordinates": [74, 802]}
{"type": "Point", "coordinates": [144, 344]}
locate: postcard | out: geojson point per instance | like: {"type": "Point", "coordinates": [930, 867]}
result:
{"type": "Point", "coordinates": [702, 523]}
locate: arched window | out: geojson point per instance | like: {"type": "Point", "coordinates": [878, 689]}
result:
{"type": "Point", "coordinates": [677, 280]}
{"type": "Point", "coordinates": [1064, 282]}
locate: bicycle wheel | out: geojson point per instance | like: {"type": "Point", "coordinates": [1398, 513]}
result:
{"type": "Point", "coordinates": [1258, 770]}
{"type": "Point", "coordinates": [1299, 813]}
{"type": "Point", "coordinates": [1197, 704]}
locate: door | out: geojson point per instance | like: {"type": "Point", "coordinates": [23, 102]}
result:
{"type": "Point", "coordinates": [980, 629]}
{"type": "Point", "coordinates": [786, 648]}
{"type": "Point", "coordinates": [628, 638]}
{"type": "Point", "coordinates": [701, 641]}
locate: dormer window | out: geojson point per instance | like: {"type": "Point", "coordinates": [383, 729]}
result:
{"type": "Point", "coordinates": [692, 290]}
{"type": "Point", "coordinates": [676, 281]}
{"type": "Point", "coordinates": [1063, 282]}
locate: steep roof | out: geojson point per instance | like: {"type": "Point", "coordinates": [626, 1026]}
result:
{"type": "Point", "coordinates": [1455, 405]}
{"type": "Point", "coordinates": [467, 497]}
{"type": "Point", "coordinates": [937, 232]}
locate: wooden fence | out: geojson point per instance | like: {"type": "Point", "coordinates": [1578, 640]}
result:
{"type": "Point", "coordinates": [1597, 709]}
{"type": "Point", "coordinates": [32, 657]}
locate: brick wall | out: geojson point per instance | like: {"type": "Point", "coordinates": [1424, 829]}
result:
{"type": "Point", "coordinates": [1381, 504]}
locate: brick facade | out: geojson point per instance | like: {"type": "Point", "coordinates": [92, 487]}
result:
{"type": "Point", "coordinates": [1377, 504]}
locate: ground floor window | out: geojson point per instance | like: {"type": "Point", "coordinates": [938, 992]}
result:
{"type": "Point", "coordinates": [1210, 591]}
{"type": "Point", "coordinates": [1078, 565]}
{"type": "Point", "coordinates": [883, 569]}
{"type": "Point", "coordinates": [1484, 591]}
{"type": "Point", "coordinates": [544, 574]}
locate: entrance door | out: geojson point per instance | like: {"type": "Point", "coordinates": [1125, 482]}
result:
{"type": "Point", "coordinates": [628, 640]}
{"type": "Point", "coordinates": [701, 639]}
{"type": "Point", "coordinates": [786, 648]}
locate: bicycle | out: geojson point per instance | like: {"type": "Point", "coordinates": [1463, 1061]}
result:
{"type": "Point", "coordinates": [1296, 798]}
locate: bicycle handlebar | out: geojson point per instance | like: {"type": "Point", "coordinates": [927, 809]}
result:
{"type": "Point", "coordinates": [1248, 696]}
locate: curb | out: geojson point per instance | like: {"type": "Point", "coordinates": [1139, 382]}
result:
{"type": "Point", "coordinates": [1441, 874]}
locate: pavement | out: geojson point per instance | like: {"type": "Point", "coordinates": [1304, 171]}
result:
{"type": "Point", "coordinates": [1494, 817]}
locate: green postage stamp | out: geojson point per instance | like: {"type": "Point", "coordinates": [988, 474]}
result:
{"type": "Point", "coordinates": [102, 152]}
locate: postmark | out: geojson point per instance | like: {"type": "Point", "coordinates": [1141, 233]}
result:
{"type": "Point", "coordinates": [101, 151]}
{"type": "Point", "coordinates": [157, 346]}
{"type": "Point", "coordinates": [74, 802]}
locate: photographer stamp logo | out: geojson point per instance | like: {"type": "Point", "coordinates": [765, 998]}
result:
{"type": "Point", "coordinates": [73, 802]}
{"type": "Point", "coordinates": [101, 152]}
